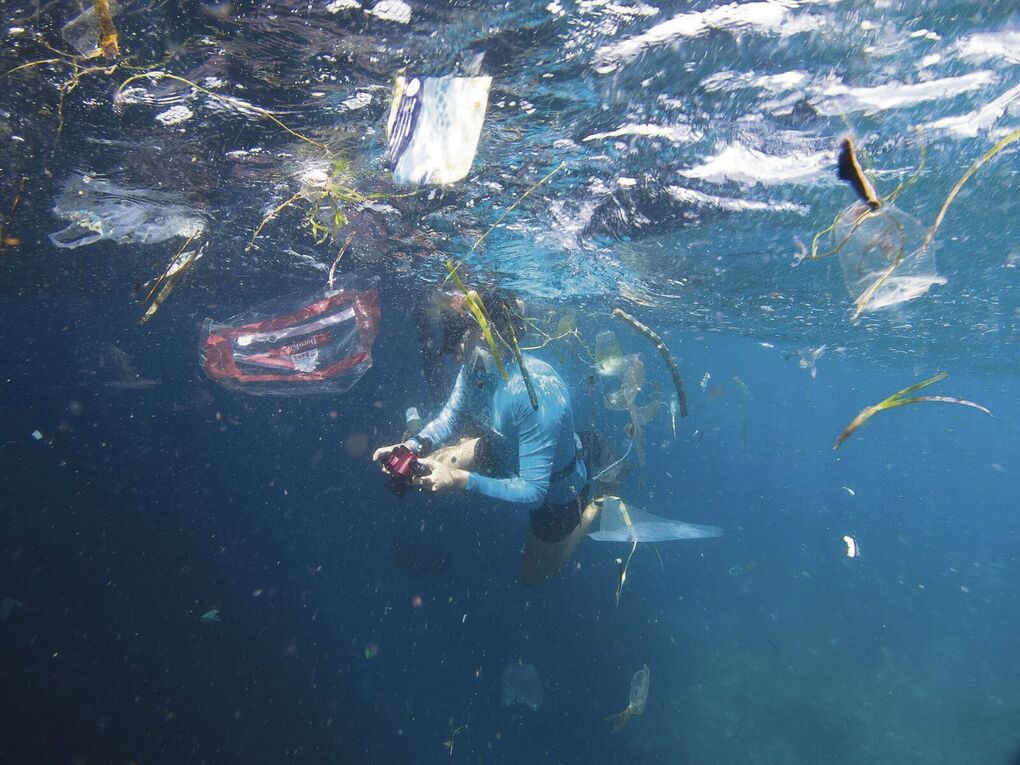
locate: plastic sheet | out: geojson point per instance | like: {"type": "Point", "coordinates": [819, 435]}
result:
{"type": "Point", "coordinates": [620, 522]}
{"type": "Point", "coordinates": [83, 32]}
{"type": "Point", "coordinates": [434, 126]}
{"type": "Point", "coordinates": [101, 209]}
{"type": "Point", "coordinates": [522, 685]}
{"type": "Point", "coordinates": [870, 242]}
{"type": "Point", "coordinates": [319, 343]}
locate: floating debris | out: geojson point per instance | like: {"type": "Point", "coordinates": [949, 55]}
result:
{"type": "Point", "coordinates": [609, 361]}
{"type": "Point", "coordinates": [6, 240]}
{"type": "Point", "coordinates": [212, 615]}
{"type": "Point", "coordinates": [434, 127]}
{"type": "Point", "coordinates": [178, 266]}
{"type": "Point", "coordinates": [620, 522]}
{"type": "Point", "coordinates": [663, 351]}
{"type": "Point", "coordinates": [809, 359]}
{"type": "Point", "coordinates": [102, 209]}
{"type": "Point", "coordinates": [37, 435]}
{"type": "Point", "coordinates": [7, 607]}
{"type": "Point", "coordinates": [852, 550]}
{"type": "Point", "coordinates": [638, 698]}
{"type": "Point", "coordinates": [899, 399]}
{"type": "Point", "coordinates": [522, 685]}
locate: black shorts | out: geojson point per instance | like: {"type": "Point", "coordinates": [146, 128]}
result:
{"type": "Point", "coordinates": [554, 523]}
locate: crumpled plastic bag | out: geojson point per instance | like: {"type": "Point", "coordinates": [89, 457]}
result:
{"type": "Point", "coordinates": [318, 343]}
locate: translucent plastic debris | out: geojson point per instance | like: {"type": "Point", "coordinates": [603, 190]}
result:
{"type": "Point", "coordinates": [621, 522]}
{"type": "Point", "coordinates": [625, 399]}
{"type": "Point", "coordinates": [212, 615]}
{"type": "Point", "coordinates": [37, 435]}
{"type": "Point", "coordinates": [873, 242]}
{"type": "Point", "coordinates": [83, 32]}
{"type": "Point", "coordinates": [522, 685]}
{"type": "Point", "coordinates": [638, 698]}
{"type": "Point", "coordinates": [7, 606]}
{"type": "Point", "coordinates": [434, 127]}
{"type": "Point", "coordinates": [319, 343]}
{"type": "Point", "coordinates": [101, 209]}
{"type": "Point", "coordinates": [609, 360]}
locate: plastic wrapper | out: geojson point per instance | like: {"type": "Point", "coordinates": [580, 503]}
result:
{"type": "Point", "coordinates": [434, 126]}
{"type": "Point", "coordinates": [319, 343]}
{"type": "Point", "coordinates": [868, 247]}
{"type": "Point", "coordinates": [99, 208]}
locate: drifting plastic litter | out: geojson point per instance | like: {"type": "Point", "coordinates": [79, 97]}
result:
{"type": "Point", "coordinates": [320, 343]}
{"type": "Point", "coordinates": [101, 209]}
{"type": "Point", "coordinates": [83, 32]}
{"type": "Point", "coordinates": [872, 243]}
{"type": "Point", "coordinates": [434, 126]}
{"type": "Point", "coordinates": [522, 685]}
{"type": "Point", "coordinates": [621, 522]}
{"type": "Point", "coordinates": [609, 360]}
{"type": "Point", "coordinates": [638, 698]}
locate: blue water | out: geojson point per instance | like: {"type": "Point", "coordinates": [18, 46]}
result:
{"type": "Point", "coordinates": [154, 495]}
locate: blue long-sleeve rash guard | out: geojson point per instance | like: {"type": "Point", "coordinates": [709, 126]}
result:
{"type": "Point", "coordinates": [545, 437]}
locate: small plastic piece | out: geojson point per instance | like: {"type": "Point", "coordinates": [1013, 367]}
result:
{"type": "Point", "coordinates": [608, 356]}
{"type": "Point", "coordinates": [319, 343]}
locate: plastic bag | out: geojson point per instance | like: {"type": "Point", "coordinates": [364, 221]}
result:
{"type": "Point", "coordinates": [870, 242]}
{"type": "Point", "coordinates": [99, 208]}
{"type": "Point", "coordinates": [522, 685]}
{"type": "Point", "coordinates": [319, 343]}
{"type": "Point", "coordinates": [434, 126]}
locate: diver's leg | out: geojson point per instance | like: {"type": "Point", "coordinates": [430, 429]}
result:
{"type": "Point", "coordinates": [541, 560]}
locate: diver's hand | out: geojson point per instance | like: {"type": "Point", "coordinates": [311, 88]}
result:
{"type": "Point", "coordinates": [384, 452]}
{"type": "Point", "coordinates": [441, 477]}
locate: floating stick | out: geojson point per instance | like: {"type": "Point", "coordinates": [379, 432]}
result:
{"type": "Point", "coordinates": [663, 351]}
{"type": "Point", "coordinates": [332, 268]}
{"type": "Point", "coordinates": [5, 239]}
{"type": "Point", "coordinates": [849, 170]}
{"type": "Point", "coordinates": [899, 399]}
{"type": "Point", "coordinates": [107, 30]}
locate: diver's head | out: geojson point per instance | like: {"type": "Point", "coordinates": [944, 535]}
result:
{"type": "Point", "coordinates": [462, 336]}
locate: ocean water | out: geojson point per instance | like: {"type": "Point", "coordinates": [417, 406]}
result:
{"type": "Point", "coordinates": [699, 146]}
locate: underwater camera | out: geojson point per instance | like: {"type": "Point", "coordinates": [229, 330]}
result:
{"type": "Point", "coordinates": [403, 467]}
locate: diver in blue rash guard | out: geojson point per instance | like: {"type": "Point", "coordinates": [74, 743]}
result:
{"type": "Point", "coordinates": [525, 456]}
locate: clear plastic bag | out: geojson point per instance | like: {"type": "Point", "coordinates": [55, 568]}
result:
{"type": "Point", "coordinates": [871, 242]}
{"type": "Point", "coordinates": [318, 343]}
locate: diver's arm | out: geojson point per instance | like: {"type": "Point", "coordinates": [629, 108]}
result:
{"type": "Point", "coordinates": [536, 452]}
{"type": "Point", "coordinates": [442, 427]}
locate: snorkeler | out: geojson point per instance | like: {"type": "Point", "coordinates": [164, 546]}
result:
{"type": "Point", "coordinates": [527, 456]}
